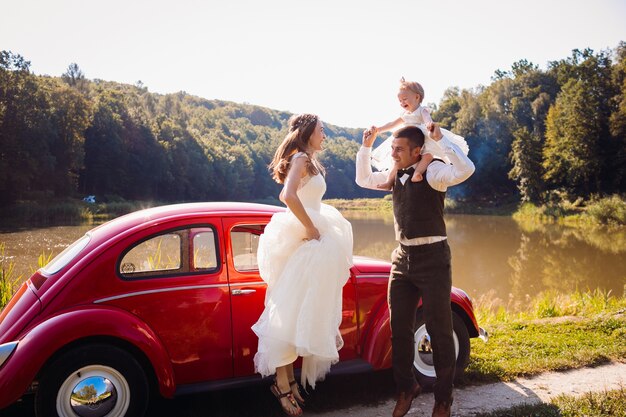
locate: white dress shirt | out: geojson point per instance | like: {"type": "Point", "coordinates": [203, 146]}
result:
{"type": "Point", "coordinates": [440, 176]}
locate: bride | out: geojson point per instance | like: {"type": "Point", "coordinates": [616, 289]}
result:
{"type": "Point", "coordinates": [304, 256]}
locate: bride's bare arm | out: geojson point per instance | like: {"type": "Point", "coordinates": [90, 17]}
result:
{"type": "Point", "coordinates": [289, 196]}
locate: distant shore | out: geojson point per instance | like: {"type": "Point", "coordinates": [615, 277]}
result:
{"type": "Point", "coordinates": [452, 206]}
{"type": "Point", "coordinates": [608, 211]}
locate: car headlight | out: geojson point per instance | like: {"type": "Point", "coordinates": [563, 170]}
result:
{"type": "Point", "coordinates": [5, 351]}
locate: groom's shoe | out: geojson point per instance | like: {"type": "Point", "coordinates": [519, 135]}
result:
{"type": "Point", "coordinates": [405, 399]}
{"type": "Point", "coordinates": [442, 408]}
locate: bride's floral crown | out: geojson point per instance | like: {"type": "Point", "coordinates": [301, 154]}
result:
{"type": "Point", "coordinates": [302, 120]}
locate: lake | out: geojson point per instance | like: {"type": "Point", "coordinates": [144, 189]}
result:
{"type": "Point", "coordinates": [492, 256]}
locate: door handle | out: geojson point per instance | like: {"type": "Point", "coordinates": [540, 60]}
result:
{"type": "Point", "coordinates": [242, 292]}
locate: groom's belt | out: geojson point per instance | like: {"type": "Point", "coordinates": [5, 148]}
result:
{"type": "Point", "coordinates": [424, 248]}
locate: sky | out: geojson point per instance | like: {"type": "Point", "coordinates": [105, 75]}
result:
{"type": "Point", "coordinates": [340, 59]}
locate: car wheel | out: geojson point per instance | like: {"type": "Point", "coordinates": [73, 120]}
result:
{"type": "Point", "coordinates": [423, 364]}
{"type": "Point", "coordinates": [93, 380]}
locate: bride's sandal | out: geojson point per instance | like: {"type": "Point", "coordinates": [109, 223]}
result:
{"type": "Point", "coordinates": [297, 394]}
{"type": "Point", "coordinates": [295, 409]}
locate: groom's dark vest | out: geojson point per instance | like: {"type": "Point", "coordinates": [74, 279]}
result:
{"type": "Point", "coordinates": [418, 209]}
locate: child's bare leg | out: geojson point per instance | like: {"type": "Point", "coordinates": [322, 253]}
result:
{"type": "Point", "coordinates": [391, 179]}
{"type": "Point", "coordinates": [425, 160]}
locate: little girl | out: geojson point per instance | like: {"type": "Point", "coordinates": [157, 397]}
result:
{"type": "Point", "coordinates": [410, 96]}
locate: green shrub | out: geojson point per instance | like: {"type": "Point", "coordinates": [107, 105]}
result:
{"type": "Point", "coordinates": [119, 208]}
{"type": "Point", "coordinates": [609, 211]}
{"type": "Point", "coordinates": [55, 212]}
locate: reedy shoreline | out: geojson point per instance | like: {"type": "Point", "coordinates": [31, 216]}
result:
{"type": "Point", "coordinates": [597, 212]}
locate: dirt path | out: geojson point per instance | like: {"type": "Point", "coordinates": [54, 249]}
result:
{"type": "Point", "coordinates": [369, 395]}
{"type": "Point", "coordinates": [490, 397]}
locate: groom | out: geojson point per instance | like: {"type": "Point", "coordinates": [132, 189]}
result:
{"type": "Point", "coordinates": [421, 262]}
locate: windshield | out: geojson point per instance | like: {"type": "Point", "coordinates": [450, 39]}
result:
{"type": "Point", "coordinates": [66, 256]}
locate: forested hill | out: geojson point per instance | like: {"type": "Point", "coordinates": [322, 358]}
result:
{"type": "Point", "coordinates": [70, 136]}
{"type": "Point", "coordinates": [535, 135]}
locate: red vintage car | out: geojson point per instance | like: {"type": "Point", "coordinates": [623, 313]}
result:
{"type": "Point", "coordinates": [161, 301]}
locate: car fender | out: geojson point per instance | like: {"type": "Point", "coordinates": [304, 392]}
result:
{"type": "Point", "coordinates": [40, 343]}
{"type": "Point", "coordinates": [462, 305]}
{"type": "Point", "coordinates": [377, 343]}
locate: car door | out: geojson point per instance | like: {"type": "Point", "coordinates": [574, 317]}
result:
{"type": "Point", "coordinates": [247, 289]}
{"type": "Point", "coordinates": [175, 280]}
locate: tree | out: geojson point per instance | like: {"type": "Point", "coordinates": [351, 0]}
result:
{"type": "Point", "coordinates": [594, 71]}
{"type": "Point", "coordinates": [527, 169]}
{"type": "Point", "coordinates": [25, 160]}
{"type": "Point", "coordinates": [446, 114]}
{"type": "Point", "coordinates": [71, 113]}
{"type": "Point", "coordinates": [617, 122]}
{"type": "Point", "coordinates": [74, 77]}
{"type": "Point", "coordinates": [571, 154]}
{"type": "Point", "coordinates": [523, 67]}
{"type": "Point", "coordinates": [532, 94]}
{"type": "Point", "coordinates": [105, 159]}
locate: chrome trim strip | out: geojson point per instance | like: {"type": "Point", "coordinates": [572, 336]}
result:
{"type": "Point", "coordinates": [372, 276]}
{"type": "Point", "coordinates": [133, 294]}
{"type": "Point", "coordinates": [243, 284]}
{"type": "Point", "coordinates": [5, 351]}
{"type": "Point", "coordinates": [242, 292]}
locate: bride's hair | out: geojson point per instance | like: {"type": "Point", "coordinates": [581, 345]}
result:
{"type": "Point", "coordinates": [301, 128]}
{"type": "Point", "coordinates": [413, 86]}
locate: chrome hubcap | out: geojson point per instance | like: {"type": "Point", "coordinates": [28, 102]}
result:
{"type": "Point", "coordinates": [95, 396]}
{"type": "Point", "coordinates": [424, 351]}
{"type": "Point", "coordinates": [424, 362]}
{"type": "Point", "coordinates": [94, 391]}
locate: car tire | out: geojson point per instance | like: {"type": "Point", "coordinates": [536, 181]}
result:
{"type": "Point", "coordinates": [105, 380]}
{"type": "Point", "coordinates": [423, 363]}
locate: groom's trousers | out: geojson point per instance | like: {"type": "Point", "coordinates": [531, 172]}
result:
{"type": "Point", "coordinates": [422, 271]}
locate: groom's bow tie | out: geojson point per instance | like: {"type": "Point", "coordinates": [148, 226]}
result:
{"type": "Point", "coordinates": [405, 174]}
{"type": "Point", "coordinates": [408, 171]}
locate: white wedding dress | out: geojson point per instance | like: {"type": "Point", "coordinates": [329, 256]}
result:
{"type": "Point", "coordinates": [304, 287]}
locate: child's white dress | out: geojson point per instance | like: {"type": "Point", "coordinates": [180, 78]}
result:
{"type": "Point", "coordinates": [381, 156]}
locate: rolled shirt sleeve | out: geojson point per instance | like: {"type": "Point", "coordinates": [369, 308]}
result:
{"type": "Point", "coordinates": [365, 177]}
{"type": "Point", "coordinates": [440, 175]}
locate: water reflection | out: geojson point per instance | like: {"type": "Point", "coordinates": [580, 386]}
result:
{"type": "Point", "coordinates": [510, 262]}
{"type": "Point", "coordinates": [24, 247]}
{"type": "Point", "coordinates": [490, 254]}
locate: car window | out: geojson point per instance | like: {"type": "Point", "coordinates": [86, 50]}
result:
{"type": "Point", "coordinates": [174, 252]}
{"type": "Point", "coordinates": [204, 250]}
{"type": "Point", "coordinates": [160, 254]}
{"type": "Point", "coordinates": [66, 256]}
{"type": "Point", "coordinates": [245, 242]}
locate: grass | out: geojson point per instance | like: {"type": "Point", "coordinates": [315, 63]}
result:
{"type": "Point", "coordinates": [556, 332]}
{"type": "Point", "coordinates": [385, 205]}
{"type": "Point", "coordinates": [8, 280]}
{"type": "Point", "coordinates": [505, 206]}
{"type": "Point", "coordinates": [600, 404]}
{"type": "Point", "coordinates": [363, 204]}
{"type": "Point", "coordinates": [607, 211]}
{"type": "Point", "coordinates": [38, 214]}
{"type": "Point", "coordinates": [33, 213]}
